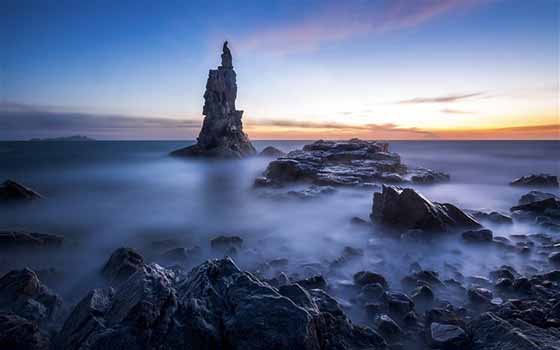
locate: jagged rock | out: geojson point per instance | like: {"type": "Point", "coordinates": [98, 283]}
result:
{"type": "Point", "coordinates": [389, 329]}
{"type": "Point", "coordinates": [406, 209]}
{"type": "Point", "coordinates": [123, 263]}
{"type": "Point", "coordinates": [18, 333]}
{"type": "Point", "coordinates": [23, 239]}
{"type": "Point", "coordinates": [538, 180]}
{"type": "Point", "coordinates": [539, 207]}
{"type": "Point", "coordinates": [398, 303]}
{"type": "Point", "coordinates": [222, 133]}
{"type": "Point", "coordinates": [270, 151]}
{"type": "Point", "coordinates": [480, 295]}
{"type": "Point", "coordinates": [477, 236]}
{"type": "Point", "coordinates": [341, 163]}
{"type": "Point", "coordinates": [492, 216]}
{"type": "Point", "coordinates": [313, 282]}
{"type": "Point", "coordinates": [11, 191]}
{"type": "Point", "coordinates": [491, 332]}
{"type": "Point", "coordinates": [216, 306]}
{"type": "Point", "coordinates": [447, 336]}
{"type": "Point", "coordinates": [535, 196]}
{"type": "Point", "coordinates": [22, 293]}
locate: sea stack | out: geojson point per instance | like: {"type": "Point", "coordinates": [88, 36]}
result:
{"type": "Point", "coordinates": [222, 133]}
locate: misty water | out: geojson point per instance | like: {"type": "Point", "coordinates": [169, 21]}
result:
{"type": "Point", "coordinates": [104, 195]}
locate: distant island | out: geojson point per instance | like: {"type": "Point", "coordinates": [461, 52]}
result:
{"type": "Point", "coordinates": [72, 138]}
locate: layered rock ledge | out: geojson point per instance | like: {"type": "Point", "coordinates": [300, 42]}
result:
{"type": "Point", "coordinates": [344, 163]}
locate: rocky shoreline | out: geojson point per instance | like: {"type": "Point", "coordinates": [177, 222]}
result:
{"type": "Point", "coordinates": [160, 302]}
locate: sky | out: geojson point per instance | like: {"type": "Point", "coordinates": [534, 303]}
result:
{"type": "Point", "coordinates": [306, 69]}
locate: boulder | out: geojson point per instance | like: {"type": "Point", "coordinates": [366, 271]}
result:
{"type": "Point", "coordinates": [222, 133]}
{"type": "Point", "coordinates": [11, 191]}
{"type": "Point", "coordinates": [123, 263]}
{"type": "Point", "coordinates": [447, 336]}
{"type": "Point", "coordinates": [363, 278]}
{"type": "Point", "coordinates": [539, 207]}
{"type": "Point", "coordinates": [22, 293]}
{"type": "Point", "coordinates": [215, 306]}
{"type": "Point", "coordinates": [406, 209]}
{"type": "Point", "coordinates": [492, 217]}
{"type": "Point", "coordinates": [18, 333]}
{"type": "Point", "coordinates": [536, 180]}
{"type": "Point", "coordinates": [270, 151]}
{"type": "Point", "coordinates": [477, 236]}
{"type": "Point", "coordinates": [535, 196]}
{"type": "Point", "coordinates": [24, 239]}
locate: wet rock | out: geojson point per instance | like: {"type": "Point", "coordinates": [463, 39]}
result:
{"type": "Point", "coordinates": [503, 272]}
{"type": "Point", "coordinates": [492, 217]}
{"type": "Point", "coordinates": [538, 207]}
{"type": "Point", "coordinates": [362, 278]}
{"type": "Point", "coordinates": [389, 329]}
{"type": "Point", "coordinates": [222, 133]}
{"type": "Point", "coordinates": [422, 295]}
{"type": "Point", "coordinates": [270, 151]}
{"type": "Point", "coordinates": [313, 282]}
{"type": "Point", "coordinates": [428, 176]}
{"type": "Point", "coordinates": [536, 180]}
{"type": "Point", "coordinates": [372, 291]}
{"type": "Point", "coordinates": [480, 296]}
{"type": "Point", "coordinates": [554, 258]}
{"type": "Point", "coordinates": [24, 239]}
{"type": "Point", "coordinates": [535, 196]}
{"type": "Point", "coordinates": [18, 333]}
{"type": "Point", "coordinates": [398, 303]}
{"type": "Point", "coordinates": [216, 306]}
{"type": "Point", "coordinates": [22, 293]}
{"type": "Point", "coordinates": [122, 264]}
{"type": "Point", "coordinates": [226, 242]}
{"type": "Point", "coordinates": [339, 163]}
{"type": "Point", "coordinates": [477, 236]}
{"type": "Point", "coordinates": [447, 336]}
{"type": "Point", "coordinates": [504, 283]}
{"type": "Point", "coordinates": [406, 209]}
{"type": "Point", "coordinates": [11, 191]}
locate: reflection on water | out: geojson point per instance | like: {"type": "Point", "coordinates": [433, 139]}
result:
{"type": "Point", "coordinates": [103, 195]}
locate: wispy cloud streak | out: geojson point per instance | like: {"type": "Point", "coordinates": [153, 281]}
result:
{"type": "Point", "coordinates": [441, 99]}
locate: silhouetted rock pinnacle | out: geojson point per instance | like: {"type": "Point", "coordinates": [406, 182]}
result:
{"type": "Point", "coordinates": [222, 133]}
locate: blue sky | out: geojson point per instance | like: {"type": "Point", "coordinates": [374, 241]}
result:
{"type": "Point", "coordinates": [305, 68]}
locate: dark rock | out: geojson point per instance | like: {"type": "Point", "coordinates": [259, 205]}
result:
{"type": "Point", "coordinates": [18, 333]}
{"type": "Point", "coordinates": [372, 291]}
{"type": "Point", "coordinates": [477, 236]}
{"type": "Point", "coordinates": [22, 293]}
{"type": "Point", "coordinates": [11, 191]}
{"type": "Point", "coordinates": [350, 252]}
{"type": "Point", "coordinates": [535, 196]}
{"type": "Point", "coordinates": [311, 192]}
{"type": "Point", "coordinates": [271, 152]}
{"type": "Point", "coordinates": [480, 295]}
{"type": "Point", "coordinates": [222, 133]}
{"type": "Point", "coordinates": [522, 285]}
{"type": "Point", "coordinates": [447, 336]}
{"type": "Point", "coordinates": [339, 163]}
{"type": "Point", "coordinates": [314, 282]}
{"type": "Point", "coordinates": [554, 258]}
{"type": "Point", "coordinates": [539, 180]}
{"type": "Point", "coordinates": [423, 295]}
{"type": "Point", "coordinates": [216, 306]}
{"type": "Point", "coordinates": [493, 217]}
{"type": "Point", "coordinates": [539, 207]}
{"type": "Point", "coordinates": [406, 209]}
{"type": "Point", "coordinates": [398, 303]}
{"type": "Point", "coordinates": [359, 221]}
{"type": "Point", "coordinates": [428, 176]}
{"type": "Point", "coordinates": [226, 242]}
{"type": "Point", "coordinates": [123, 263]}
{"type": "Point", "coordinates": [367, 277]}
{"type": "Point", "coordinates": [504, 283]}
{"type": "Point", "coordinates": [23, 239]}
{"type": "Point", "coordinates": [180, 254]}
{"type": "Point", "coordinates": [389, 329]}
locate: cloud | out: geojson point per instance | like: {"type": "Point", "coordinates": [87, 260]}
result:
{"type": "Point", "coordinates": [454, 111]}
{"type": "Point", "coordinates": [442, 99]}
{"type": "Point", "coordinates": [338, 20]}
{"type": "Point", "coordinates": [26, 121]}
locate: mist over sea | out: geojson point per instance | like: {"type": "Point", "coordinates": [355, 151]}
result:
{"type": "Point", "coordinates": [104, 195]}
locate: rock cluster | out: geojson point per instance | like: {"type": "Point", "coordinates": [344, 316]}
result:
{"type": "Point", "coordinates": [536, 180]}
{"type": "Point", "coordinates": [344, 163]}
{"type": "Point", "coordinates": [222, 133]}
{"type": "Point", "coordinates": [24, 239]}
{"type": "Point", "coordinates": [406, 209]}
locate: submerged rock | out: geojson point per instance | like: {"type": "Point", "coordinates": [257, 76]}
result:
{"type": "Point", "coordinates": [11, 191]}
{"type": "Point", "coordinates": [270, 151]}
{"type": "Point", "coordinates": [477, 236]}
{"type": "Point", "coordinates": [538, 180]}
{"type": "Point", "coordinates": [406, 209]}
{"type": "Point", "coordinates": [222, 133]}
{"type": "Point", "coordinates": [216, 306]}
{"type": "Point", "coordinates": [343, 163]}
{"type": "Point", "coordinates": [23, 239]}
